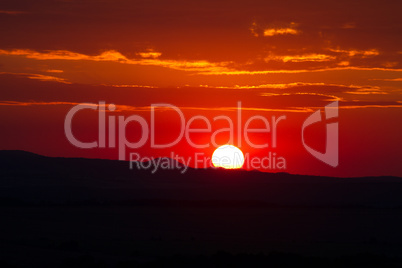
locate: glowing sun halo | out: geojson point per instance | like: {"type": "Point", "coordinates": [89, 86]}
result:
{"type": "Point", "coordinates": [228, 156]}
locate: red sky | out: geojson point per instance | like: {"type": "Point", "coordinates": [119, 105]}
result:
{"type": "Point", "coordinates": [276, 57]}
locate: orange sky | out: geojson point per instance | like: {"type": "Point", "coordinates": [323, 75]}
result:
{"type": "Point", "coordinates": [276, 57]}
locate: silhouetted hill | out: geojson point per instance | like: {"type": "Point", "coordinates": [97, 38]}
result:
{"type": "Point", "coordinates": [27, 178]}
{"type": "Point", "coordinates": [74, 212]}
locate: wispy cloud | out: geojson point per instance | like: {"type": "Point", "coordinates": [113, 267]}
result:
{"type": "Point", "coordinates": [389, 79]}
{"type": "Point", "coordinates": [110, 55]}
{"type": "Point", "coordinates": [280, 31]}
{"type": "Point", "coordinates": [115, 56]}
{"type": "Point", "coordinates": [288, 30]}
{"type": "Point", "coordinates": [354, 52]}
{"type": "Point", "coordinates": [302, 58]}
{"type": "Point", "coordinates": [12, 12]}
{"type": "Point", "coordinates": [368, 91]}
{"type": "Point", "coordinates": [150, 54]}
{"type": "Point", "coordinates": [54, 71]}
{"type": "Point", "coordinates": [349, 25]}
{"type": "Point", "coordinates": [284, 71]}
{"type": "Point", "coordinates": [130, 86]}
{"type": "Point", "coordinates": [370, 106]}
{"type": "Point", "coordinates": [40, 77]}
{"type": "Point", "coordinates": [203, 67]}
{"type": "Point", "coordinates": [128, 108]}
{"type": "Point", "coordinates": [281, 86]}
{"type": "Point", "coordinates": [329, 97]}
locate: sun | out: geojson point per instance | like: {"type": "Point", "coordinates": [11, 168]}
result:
{"type": "Point", "coordinates": [228, 156]}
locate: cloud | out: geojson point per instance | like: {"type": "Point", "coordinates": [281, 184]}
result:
{"type": "Point", "coordinates": [254, 29]}
{"type": "Point", "coordinates": [127, 108]}
{"type": "Point", "coordinates": [297, 71]}
{"type": "Point", "coordinates": [280, 31]}
{"type": "Point", "coordinates": [390, 64]}
{"type": "Point", "coordinates": [150, 54]}
{"type": "Point", "coordinates": [12, 12]}
{"type": "Point", "coordinates": [349, 25]}
{"type": "Point", "coordinates": [40, 77]}
{"type": "Point", "coordinates": [368, 91]}
{"type": "Point", "coordinates": [115, 56]}
{"type": "Point", "coordinates": [344, 63]}
{"type": "Point", "coordinates": [49, 55]}
{"type": "Point", "coordinates": [302, 58]}
{"type": "Point", "coordinates": [110, 55]}
{"type": "Point", "coordinates": [370, 106]}
{"type": "Point", "coordinates": [329, 97]}
{"type": "Point", "coordinates": [130, 86]}
{"type": "Point", "coordinates": [288, 30]}
{"type": "Point", "coordinates": [353, 52]}
{"type": "Point", "coordinates": [54, 71]}
{"type": "Point", "coordinates": [258, 29]}
{"type": "Point", "coordinates": [282, 86]}
{"type": "Point", "coordinates": [297, 63]}
{"type": "Point", "coordinates": [114, 68]}
{"type": "Point", "coordinates": [390, 79]}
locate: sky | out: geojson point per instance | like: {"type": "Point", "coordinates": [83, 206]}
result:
{"type": "Point", "coordinates": [277, 58]}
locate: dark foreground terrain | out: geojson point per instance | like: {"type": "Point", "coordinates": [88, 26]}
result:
{"type": "Point", "coordinates": [59, 212]}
